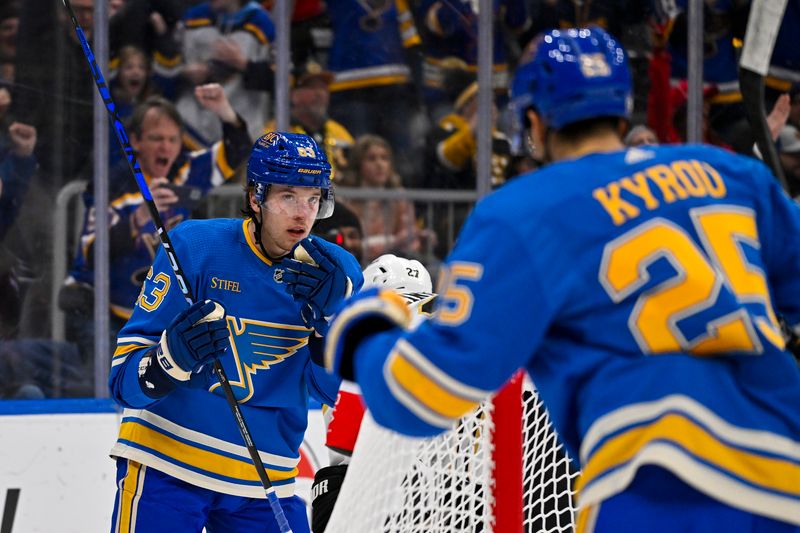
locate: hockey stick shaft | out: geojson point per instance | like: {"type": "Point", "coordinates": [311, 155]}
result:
{"type": "Point", "coordinates": [762, 30]}
{"type": "Point", "coordinates": [166, 243]}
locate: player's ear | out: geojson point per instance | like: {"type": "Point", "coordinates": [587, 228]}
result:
{"type": "Point", "coordinates": [537, 126]}
{"type": "Point", "coordinates": [251, 198]}
{"type": "Point", "coordinates": [537, 134]}
{"type": "Point", "coordinates": [623, 127]}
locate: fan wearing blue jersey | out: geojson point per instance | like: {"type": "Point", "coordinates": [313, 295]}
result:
{"type": "Point", "coordinates": [640, 289]}
{"type": "Point", "coordinates": [181, 464]}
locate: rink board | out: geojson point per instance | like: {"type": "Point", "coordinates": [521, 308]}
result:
{"type": "Point", "coordinates": [55, 472]}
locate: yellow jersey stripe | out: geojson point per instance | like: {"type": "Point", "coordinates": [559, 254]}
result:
{"type": "Point", "coordinates": [190, 142]}
{"type": "Point", "coordinates": [726, 98]}
{"type": "Point", "coordinates": [248, 235]}
{"type": "Point", "coordinates": [121, 312]}
{"type": "Point", "coordinates": [86, 242]}
{"type": "Point", "coordinates": [496, 68]}
{"type": "Point", "coordinates": [222, 163]}
{"type": "Point", "coordinates": [759, 470]}
{"type": "Point", "coordinates": [131, 198]}
{"type": "Point", "coordinates": [205, 460]}
{"type": "Point", "coordinates": [644, 413]}
{"type": "Point", "coordinates": [196, 23]}
{"type": "Point", "coordinates": [430, 393]}
{"type": "Point", "coordinates": [169, 62]}
{"type": "Point", "coordinates": [130, 492]}
{"type": "Point", "coordinates": [586, 519]}
{"type": "Point", "coordinates": [256, 31]}
{"type": "Point", "coordinates": [368, 82]}
{"type": "Point", "coordinates": [126, 349]}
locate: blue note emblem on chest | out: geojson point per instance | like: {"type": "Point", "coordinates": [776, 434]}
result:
{"type": "Point", "coordinates": [257, 346]}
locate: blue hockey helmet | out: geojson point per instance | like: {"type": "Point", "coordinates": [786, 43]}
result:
{"type": "Point", "coordinates": [292, 159]}
{"type": "Point", "coordinates": [571, 75]}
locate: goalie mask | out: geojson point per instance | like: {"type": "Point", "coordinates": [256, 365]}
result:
{"type": "Point", "coordinates": [291, 159]}
{"type": "Point", "coordinates": [404, 275]}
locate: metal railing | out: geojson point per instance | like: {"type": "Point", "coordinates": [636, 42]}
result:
{"type": "Point", "coordinates": [436, 208]}
{"type": "Point", "coordinates": [62, 229]}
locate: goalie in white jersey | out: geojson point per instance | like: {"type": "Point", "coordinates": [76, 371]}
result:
{"type": "Point", "coordinates": [412, 281]}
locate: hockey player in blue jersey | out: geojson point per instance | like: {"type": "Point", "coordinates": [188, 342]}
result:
{"type": "Point", "coordinates": [181, 465]}
{"type": "Point", "coordinates": [638, 287]}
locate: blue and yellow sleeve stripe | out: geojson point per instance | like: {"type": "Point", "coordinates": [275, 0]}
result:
{"type": "Point", "coordinates": [127, 345]}
{"type": "Point", "coordinates": [427, 391]}
{"type": "Point", "coordinates": [754, 470]}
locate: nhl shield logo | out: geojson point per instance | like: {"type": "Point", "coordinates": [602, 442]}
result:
{"type": "Point", "coordinates": [278, 275]}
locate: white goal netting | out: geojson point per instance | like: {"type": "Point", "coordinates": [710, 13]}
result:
{"type": "Point", "coordinates": [483, 476]}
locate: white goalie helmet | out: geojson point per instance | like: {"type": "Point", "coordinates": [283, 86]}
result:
{"type": "Point", "coordinates": [397, 273]}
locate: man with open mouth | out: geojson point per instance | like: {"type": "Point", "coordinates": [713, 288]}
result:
{"type": "Point", "coordinates": [177, 178]}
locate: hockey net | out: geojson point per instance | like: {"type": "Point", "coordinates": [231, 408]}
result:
{"type": "Point", "coordinates": [501, 469]}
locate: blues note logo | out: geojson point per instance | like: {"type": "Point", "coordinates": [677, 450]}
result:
{"type": "Point", "coordinates": [257, 346]}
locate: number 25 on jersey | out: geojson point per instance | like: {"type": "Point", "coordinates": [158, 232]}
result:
{"type": "Point", "coordinates": [696, 286]}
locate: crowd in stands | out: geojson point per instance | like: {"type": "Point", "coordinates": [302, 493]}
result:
{"type": "Point", "coordinates": [387, 87]}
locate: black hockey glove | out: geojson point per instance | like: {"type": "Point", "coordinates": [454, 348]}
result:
{"type": "Point", "coordinates": [324, 492]}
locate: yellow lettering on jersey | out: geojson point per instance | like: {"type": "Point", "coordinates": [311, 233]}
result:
{"type": "Point", "coordinates": [225, 285]}
{"type": "Point", "coordinates": [623, 199]}
{"type": "Point", "coordinates": [615, 206]}
{"type": "Point", "coordinates": [637, 185]}
{"type": "Point", "coordinates": [714, 183]}
{"type": "Point", "coordinates": [690, 179]}
{"type": "Point", "coordinates": [666, 180]}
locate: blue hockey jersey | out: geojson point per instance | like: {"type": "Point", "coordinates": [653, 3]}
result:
{"type": "Point", "coordinates": [452, 32]}
{"type": "Point", "coordinates": [369, 43]}
{"type": "Point", "coordinates": [190, 434]}
{"type": "Point", "coordinates": [639, 289]}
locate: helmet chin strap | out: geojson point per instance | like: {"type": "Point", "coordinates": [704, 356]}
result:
{"type": "Point", "coordinates": [257, 223]}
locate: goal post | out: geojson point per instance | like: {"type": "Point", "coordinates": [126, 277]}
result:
{"type": "Point", "coordinates": [500, 469]}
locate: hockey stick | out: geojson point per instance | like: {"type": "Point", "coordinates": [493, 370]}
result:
{"type": "Point", "coordinates": [763, 24]}
{"type": "Point", "coordinates": [122, 137]}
